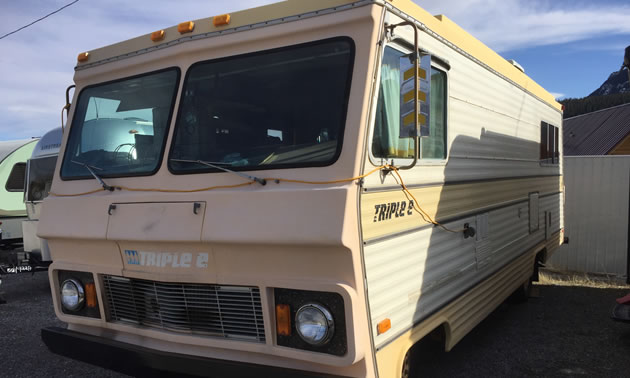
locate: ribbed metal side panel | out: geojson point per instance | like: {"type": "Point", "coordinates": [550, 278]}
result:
{"type": "Point", "coordinates": [412, 276]}
{"type": "Point", "coordinates": [233, 312]}
{"type": "Point", "coordinates": [597, 209]}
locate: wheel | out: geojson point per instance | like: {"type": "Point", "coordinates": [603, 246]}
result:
{"type": "Point", "coordinates": [521, 294]}
{"type": "Point", "coordinates": [406, 367]}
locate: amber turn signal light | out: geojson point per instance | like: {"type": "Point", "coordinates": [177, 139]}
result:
{"type": "Point", "coordinates": [186, 27]}
{"type": "Point", "coordinates": [283, 320]}
{"type": "Point", "coordinates": [83, 57]}
{"type": "Point", "coordinates": [90, 295]}
{"type": "Point", "coordinates": [384, 326]}
{"type": "Point", "coordinates": [157, 35]}
{"type": "Point", "coordinates": [223, 19]}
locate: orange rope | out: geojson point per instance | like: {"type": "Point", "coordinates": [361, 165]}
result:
{"type": "Point", "coordinates": [76, 194]}
{"type": "Point", "coordinates": [425, 216]}
{"type": "Point", "coordinates": [185, 190]}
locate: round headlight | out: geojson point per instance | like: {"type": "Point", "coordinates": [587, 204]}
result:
{"type": "Point", "coordinates": [72, 295]}
{"type": "Point", "coordinates": [314, 324]}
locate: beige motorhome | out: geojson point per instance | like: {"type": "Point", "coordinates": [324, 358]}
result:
{"type": "Point", "coordinates": [253, 194]}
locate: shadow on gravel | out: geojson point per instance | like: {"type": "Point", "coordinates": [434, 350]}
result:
{"type": "Point", "coordinates": [565, 331]}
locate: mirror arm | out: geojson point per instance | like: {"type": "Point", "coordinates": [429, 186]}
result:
{"type": "Point", "coordinates": [67, 106]}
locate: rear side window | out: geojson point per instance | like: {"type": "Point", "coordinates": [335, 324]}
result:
{"type": "Point", "coordinates": [273, 109]}
{"type": "Point", "coordinates": [549, 143]}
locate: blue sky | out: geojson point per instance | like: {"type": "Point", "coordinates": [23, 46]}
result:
{"type": "Point", "coordinates": [569, 47]}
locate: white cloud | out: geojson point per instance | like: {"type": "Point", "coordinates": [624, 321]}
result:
{"type": "Point", "coordinates": [557, 95]}
{"type": "Point", "coordinates": [37, 63]}
{"type": "Point", "coordinates": [516, 24]}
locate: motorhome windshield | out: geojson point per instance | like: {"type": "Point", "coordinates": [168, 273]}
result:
{"type": "Point", "coordinates": [39, 179]}
{"type": "Point", "coordinates": [121, 126]}
{"type": "Point", "coordinates": [273, 109]}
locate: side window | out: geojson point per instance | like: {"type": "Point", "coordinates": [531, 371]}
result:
{"type": "Point", "coordinates": [15, 182]}
{"type": "Point", "coordinates": [434, 146]}
{"type": "Point", "coordinates": [549, 143]}
{"type": "Point", "coordinates": [386, 140]}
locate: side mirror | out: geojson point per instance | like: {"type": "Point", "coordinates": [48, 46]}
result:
{"type": "Point", "coordinates": [407, 96]}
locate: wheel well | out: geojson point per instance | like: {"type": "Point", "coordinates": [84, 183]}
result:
{"type": "Point", "coordinates": [539, 261]}
{"type": "Point", "coordinates": [425, 351]}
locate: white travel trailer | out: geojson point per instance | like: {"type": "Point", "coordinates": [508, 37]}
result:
{"type": "Point", "coordinates": [300, 189]}
{"type": "Point", "coordinates": [39, 174]}
{"type": "Point", "coordinates": [13, 156]}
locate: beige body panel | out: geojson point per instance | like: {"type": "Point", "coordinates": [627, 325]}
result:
{"type": "Point", "coordinates": [446, 201]}
{"type": "Point", "coordinates": [462, 315]}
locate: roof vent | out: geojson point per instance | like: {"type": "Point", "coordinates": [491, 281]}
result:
{"type": "Point", "coordinates": [518, 66]}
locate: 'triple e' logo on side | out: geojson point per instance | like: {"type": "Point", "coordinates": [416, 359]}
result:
{"type": "Point", "coordinates": [166, 259]}
{"type": "Point", "coordinates": [386, 211]}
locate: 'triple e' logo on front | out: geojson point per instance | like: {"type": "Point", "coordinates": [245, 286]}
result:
{"type": "Point", "coordinates": [132, 257]}
{"type": "Point", "coordinates": [166, 259]}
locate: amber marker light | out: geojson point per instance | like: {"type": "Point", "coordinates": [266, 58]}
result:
{"type": "Point", "coordinates": [384, 326]}
{"type": "Point", "coordinates": [186, 27]}
{"type": "Point", "coordinates": [90, 295]}
{"type": "Point", "coordinates": [157, 35]}
{"type": "Point", "coordinates": [223, 19]}
{"type": "Point", "coordinates": [283, 320]}
{"type": "Point", "coordinates": [83, 57]}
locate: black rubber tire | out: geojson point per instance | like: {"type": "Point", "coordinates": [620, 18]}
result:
{"type": "Point", "coordinates": [521, 294]}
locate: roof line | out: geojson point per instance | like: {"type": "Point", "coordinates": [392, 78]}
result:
{"type": "Point", "coordinates": [597, 111]}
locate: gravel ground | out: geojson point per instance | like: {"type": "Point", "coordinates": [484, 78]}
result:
{"type": "Point", "coordinates": [22, 352]}
{"type": "Point", "coordinates": [564, 331]}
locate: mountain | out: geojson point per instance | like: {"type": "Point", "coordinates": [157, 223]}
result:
{"type": "Point", "coordinates": [615, 91]}
{"type": "Point", "coordinates": [617, 82]}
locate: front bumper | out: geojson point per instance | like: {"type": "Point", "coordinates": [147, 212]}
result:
{"type": "Point", "coordinates": [140, 361]}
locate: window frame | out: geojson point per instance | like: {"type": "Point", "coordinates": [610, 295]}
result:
{"type": "Point", "coordinates": [404, 47]}
{"type": "Point", "coordinates": [549, 149]}
{"type": "Point", "coordinates": [167, 130]}
{"type": "Point", "coordinates": [344, 120]}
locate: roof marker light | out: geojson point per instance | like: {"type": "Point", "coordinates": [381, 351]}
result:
{"type": "Point", "coordinates": [186, 27]}
{"type": "Point", "coordinates": [83, 57]}
{"type": "Point", "coordinates": [157, 35]}
{"type": "Point", "coordinates": [223, 19]}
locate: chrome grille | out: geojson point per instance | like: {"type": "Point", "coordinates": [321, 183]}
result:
{"type": "Point", "coordinates": [232, 312]}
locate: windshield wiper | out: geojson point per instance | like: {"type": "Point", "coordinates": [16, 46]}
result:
{"type": "Point", "coordinates": [217, 165]}
{"type": "Point", "coordinates": [100, 180]}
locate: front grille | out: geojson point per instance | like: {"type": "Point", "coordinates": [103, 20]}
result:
{"type": "Point", "coordinates": [231, 312]}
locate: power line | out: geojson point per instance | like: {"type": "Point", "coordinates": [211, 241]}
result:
{"type": "Point", "coordinates": [39, 19]}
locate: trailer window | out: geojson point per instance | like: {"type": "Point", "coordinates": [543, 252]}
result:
{"type": "Point", "coordinates": [386, 142]}
{"type": "Point", "coordinates": [273, 109]}
{"type": "Point", "coordinates": [549, 143]}
{"type": "Point", "coordinates": [119, 128]}
{"type": "Point", "coordinates": [15, 182]}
